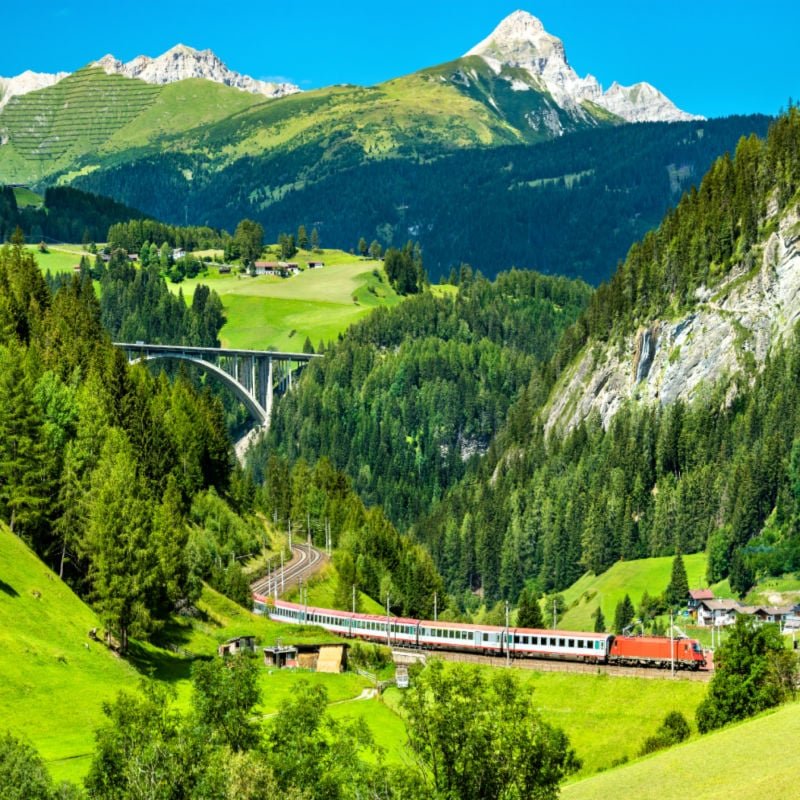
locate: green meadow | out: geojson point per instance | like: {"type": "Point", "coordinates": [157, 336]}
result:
{"type": "Point", "coordinates": [63, 258]}
{"type": "Point", "coordinates": [749, 761]}
{"type": "Point", "coordinates": [625, 577]}
{"type": "Point", "coordinates": [267, 312]}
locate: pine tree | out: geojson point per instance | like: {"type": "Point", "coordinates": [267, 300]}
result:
{"type": "Point", "coordinates": [599, 621]}
{"type": "Point", "coordinates": [623, 615]}
{"type": "Point", "coordinates": [314, 239]}
{"type": "Point", "coordinates": [302, 238]}
{"type": "Point", "coordinates": [677, 591]}
{"type": "Point", "coordinates": [124, 569]}
{"type": "Point", "coordinates": [529, 613]}
{"type": "Point", "coordinates": [24, 485]}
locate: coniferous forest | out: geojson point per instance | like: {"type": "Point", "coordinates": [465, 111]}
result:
{"type": "Point", "coordinates": [717, 475]}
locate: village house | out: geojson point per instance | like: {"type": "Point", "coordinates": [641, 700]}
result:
{"type": "Point", "coordinates": [316, 264]}
{"type": "Point", "coordinates": [177, 253]}
{"type": "Point", "coordinates": [281, 269]}
{"type": "Point", "coordinates": [720, 613]}
{"type": "Point", "coordinates": [696, 596]}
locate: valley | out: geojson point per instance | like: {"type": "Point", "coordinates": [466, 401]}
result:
{"type": "Point", "coordinates": [543, 453]}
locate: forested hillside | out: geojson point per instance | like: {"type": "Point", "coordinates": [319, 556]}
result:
{"type": "Point", "coordinates": [67, 215]}
{"type": "Point", "coordinates": [412, 393]}
{"type": "Point", "coordinates": [718, 474]}
{"type": "Point", "coordinates": [570, 207]}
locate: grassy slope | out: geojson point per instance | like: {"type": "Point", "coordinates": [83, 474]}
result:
{"type": "Point", "coordinates": [605, 718]}
{"type": "Point", "coordinates": [94, 116]}
{"type": "Point", "coordinates": [625, 577]}
{"type": "Point", "coordinates": [322, 588]}
{"type": "Point", "coordinates": [57, 259]}
{"type": "Point", "coordinates": [25, 197]}
{"type": "Point", "coordinates": [749, 761]}
{"type": "Point", "coordinates": [268, 312]}
{"type": "Point", "coordinates": [52, 676]}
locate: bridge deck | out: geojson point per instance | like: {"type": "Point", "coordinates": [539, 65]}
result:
{"type": "Point", "coordinates": [141, 347]}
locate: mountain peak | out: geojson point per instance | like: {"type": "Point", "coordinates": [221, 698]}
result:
{"type": "Point", "coordinates": [181, 62]}
{"type": "Point", "coordinates": [521, 41]}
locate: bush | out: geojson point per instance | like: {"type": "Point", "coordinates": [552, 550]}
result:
{"type": "Point", "coordinates": [674, 729]}
{"type": "Point", "coordinates": [363, 655]}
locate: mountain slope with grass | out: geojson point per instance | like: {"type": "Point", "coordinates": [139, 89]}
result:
{"type": "Point", "coordinates": [53, 676]}
{"type": "Point", "coordinates": [749, 761]}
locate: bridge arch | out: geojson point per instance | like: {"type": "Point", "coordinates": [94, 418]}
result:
{"type": "Point", "coordinates": [255, 376]}
{"type": "Point", "coordinates": [260, 414]}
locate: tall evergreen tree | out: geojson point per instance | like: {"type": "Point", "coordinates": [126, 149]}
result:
{"type": "Point", "coordinates": [623, 615]}
{"type": "Point", "coordinates": [529, 613]}
{"type": "Point", "coordinates": [599, 621]}
{"type": "Point", "coordinates": [677, 592]}
{"type": "Point", "coordinates": [24, 484]}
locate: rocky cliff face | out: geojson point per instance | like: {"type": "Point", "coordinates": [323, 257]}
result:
{"type": "Point", "coordinates": [182, 62]}
{"type": "Point", "coordinates": [521, 41]}
{"type": "Point", "coordinates": [734, 324]}
{"type": "Point", "coordinates": [27, 82]}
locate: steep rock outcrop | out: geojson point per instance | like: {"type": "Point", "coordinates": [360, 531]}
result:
{"type": "Point", "coordinates": [520, 41]}
{"type": "Point", "coordinates": [731, 326]}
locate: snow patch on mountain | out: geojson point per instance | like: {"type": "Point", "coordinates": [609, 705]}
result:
{"type": "Point", "coordinates": [27, 82]}
{"type": "Point", "coordinates": [521, 41]}
{"type": "Point", "coordinates": [182, 62]}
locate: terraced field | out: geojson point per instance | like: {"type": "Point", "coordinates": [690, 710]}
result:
{"type": "Point", "coordinates": [79, 113]}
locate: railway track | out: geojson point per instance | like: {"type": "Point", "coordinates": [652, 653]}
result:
{"type": "Point", "coordinates": [541, 665]}
{"type": "Point", "coordinates": [305, 561]}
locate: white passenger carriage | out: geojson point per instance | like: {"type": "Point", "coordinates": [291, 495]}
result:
{"type": "Point", "coordinates": [485, 639]}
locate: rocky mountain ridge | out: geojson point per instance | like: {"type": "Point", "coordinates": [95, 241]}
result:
{"type": "Point", "coordinates": [520, 41]}
{"type": "Point", "coordinates": [730, 327]}
{"type": "Point", "coordinates": [182, 62]}
{"type": "Point", "coordinates": [177, 64]}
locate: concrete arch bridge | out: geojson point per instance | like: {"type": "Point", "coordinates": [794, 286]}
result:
{"type": "Point", "coordinates": [256, 377]}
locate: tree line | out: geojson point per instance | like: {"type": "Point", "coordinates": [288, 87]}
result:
{"type": "Point", "coordinates": [67, 215]}
{"type": "Point", "coordinates": [106, 470]}
{"type": "Point", "coordinates": [413, 392]}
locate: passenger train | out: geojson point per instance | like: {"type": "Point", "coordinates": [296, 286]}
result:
{"type": "Point", "coordinates": [600, 648]}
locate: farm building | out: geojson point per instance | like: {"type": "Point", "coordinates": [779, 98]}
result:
{"type": "Point", "coordinates": [240, 644]}
{"type": "Point", "coordinates": [317, 657]}
{"type": "Point", "coordinates": [316, 264]}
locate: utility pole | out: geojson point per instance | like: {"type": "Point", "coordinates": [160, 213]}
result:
{"type": "Point", "coordinates": [671, 647]}
{"type": "Point", "coordinates": [354, 610]}
{"type": "Point", "coordinates": [283, 585]}
{"type": "Point", "coordinates": [290, 534]}
{"type": "Point", "coordinates": [435, 607]}
{"type": "Point", "coordinates": [269, 575]}
{"type": "Point", "coordinates": [508, 643]}
{"type": "Point", "coordinates": [308, 526]}
{"type": "Point", "coordinates": [555, 614]}
{"type": "Point", "coordinates": [388, 622]}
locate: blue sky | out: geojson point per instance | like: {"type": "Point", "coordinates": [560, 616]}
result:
{"type": "Point", "coordinates": [711, 57]}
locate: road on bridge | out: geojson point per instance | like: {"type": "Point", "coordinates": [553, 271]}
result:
{"type": "Point", "coordinates": [306, 561]}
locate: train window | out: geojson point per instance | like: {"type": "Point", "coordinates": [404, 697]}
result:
{"type": "Point", "coordinates": [485, 637]}
{"type": "Point", "coordinates": [552, 641]}
{"type": "Point", "coordinates": [571, 643]}
{"type": "Point", "coordinates": [561, 642]}
{"type": "Point", "coordinates": [534, 640]}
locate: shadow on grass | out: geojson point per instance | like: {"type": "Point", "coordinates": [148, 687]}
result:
{"type": "Point", "coordinates": [8, 589]}
{"type": "Point", "coordinates": [165, 656]}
